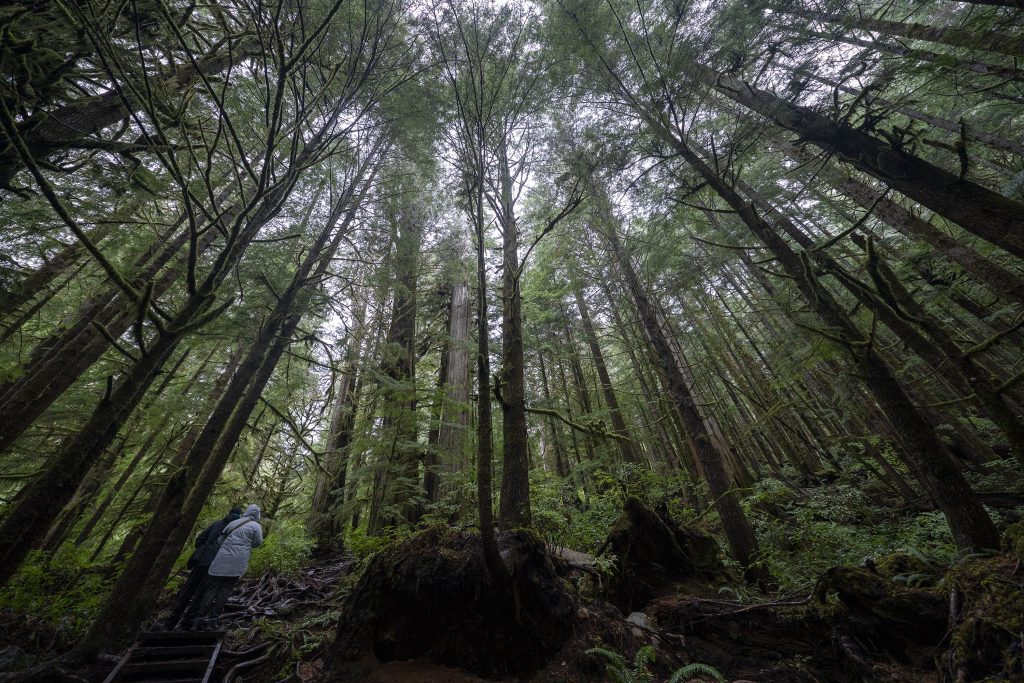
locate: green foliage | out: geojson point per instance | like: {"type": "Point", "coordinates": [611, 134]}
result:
{"type": "Point", "coordinates": [836, 524]}
{"type": "Point", "coordinates": [696, 670]}
{"type": "Point", "coordinates": [58, 594]}
{"type": "Point", "coordinates": [286, 549]}
{"type": "Point", "coordinates": [362, 545]}
{"type": "Point", "coordinates": [619, 670]}
{"type": "Point", "coordinates": [577, 512]}
{"type": "Point", "coordinates": [564, 515]}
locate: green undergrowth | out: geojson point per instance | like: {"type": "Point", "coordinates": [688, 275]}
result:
{"type": "Point", "coordinates": [852, 520]}
{"type": "Point", "coordinates": [51, 601]}
{"type": "Point", "coordinates": [836, 524]}
{"type": "Point", "coordinates": [849, 517]}
{"type": "Point", "coordinates": [620, 670]}
{"type": "Point", "coordinates": [577, 512]}
{"type": "Point", "coordinates": [286, 549]}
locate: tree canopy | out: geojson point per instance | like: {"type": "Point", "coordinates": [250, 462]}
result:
{"type": "Point", "coordinates": [392, 265]}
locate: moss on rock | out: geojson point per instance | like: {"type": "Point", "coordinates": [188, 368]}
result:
{"type": "Point", "coordinates": [901, 564]}
{"type": "Point", "coordinates": [1013, 539]}
{"type": "Point", "coordinates": [986, 642]}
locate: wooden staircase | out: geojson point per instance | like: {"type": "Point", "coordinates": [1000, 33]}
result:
{"type": "Point", "coordinates": [169, 657]}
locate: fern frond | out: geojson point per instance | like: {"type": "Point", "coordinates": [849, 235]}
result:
{"type": "Point", "coordinates": [644, 656]}
{"type": "Point", "coordinates": [691, 671]}
{"type": "Point", "coordinates": [617, 668]}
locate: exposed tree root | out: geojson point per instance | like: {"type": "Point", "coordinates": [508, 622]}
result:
{"type": "Point", "coordinates": [430, 597]}
{"type": "Point", "coordinates": [652, 551]}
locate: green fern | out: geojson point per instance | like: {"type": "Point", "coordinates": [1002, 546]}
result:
{"type": "Point", "coordinates": [619, 670]}
{"type": "Point", "coordinates": [643, 657]}
{"type": "Point", "coordinates": [691, 671]}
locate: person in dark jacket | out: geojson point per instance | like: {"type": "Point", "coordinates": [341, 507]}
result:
{"type": "Point", "coordinates": [206, 547]}
{"type": "Point", "coordinates": [239, 539]}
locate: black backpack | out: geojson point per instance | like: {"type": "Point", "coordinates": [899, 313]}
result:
{"type": "Point", "coordinates": [210, 547]}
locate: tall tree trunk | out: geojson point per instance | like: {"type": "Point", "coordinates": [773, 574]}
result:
{"type": "Point", "coordinates": [1006, 75]}
{"type": "Point", "coordinates": [1016, 4]}
{"type": "Point", "coordinates": [122, 480]}
{"type": "Point", "coordinates": [93, 483]}
{"type": "Point", "coordinates": [181, 451]}
{"type": "Point", "coordinates": [395, 469]}
{"type": "Point", "coordinates": [983, 269]}
{"type": "Point", "coordinates": [452, 432]}
{"type": "Point", "coordinates": [985, 213]}
{"type": "Point", "coordinates": [989, 41]}
{"type": "Point", "coordinates": [928, 459]}
{"type": "Point", "coordinates": [514, 508]}
{"type": "Point", "coordinates": [53, 267]}
{"type": "Point", "coordinates": [919, 330]}
{"type": "Point", "coordinates": [329, 494]}
{"type": "Point", "coordinates": [625, 443]}
{"type": "Point", "coordinates": [737, 529]}
{"type": "Point", "coordinates": [484, 444]}
{"type": "Point", "coordinates": [139, 585]}
{"type": "Point", "coordinates": [969, 131]}
{"type": "Point", "coordinates": [431, 475]}
{"type": "Point", "coordinates": [711, 423]}
{"type": "Point", "coordinates": [588, 445]}
{"type": "Point", "coordinates": [669, 455]}
{"type": "Point", "coordinates": [560, 465]}
{"type": "Point", "coordinates": [580, 384]}
{"type": "Point", "coordinates": [48, 133]}
{"type": "Point", "coordinates": [58, 361]}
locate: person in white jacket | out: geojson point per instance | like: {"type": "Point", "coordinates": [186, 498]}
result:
{"type": "Point", "coordinates": [238, 540]}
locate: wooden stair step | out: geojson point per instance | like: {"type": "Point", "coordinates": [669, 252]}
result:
{"type": "Point", "coordinates": [179, 637]}
{"type": "Point", "coordinates": [167, 667]}
{"type": "Point", "coordinates": [161, 652]}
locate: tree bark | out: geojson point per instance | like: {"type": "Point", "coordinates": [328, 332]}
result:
{"type": "Point", "coordinates": [985, 213]}
{"type": "Point", "coordinates": [997, 278]}
{"type": "Point", "coordinates": [625, 444]}
{"type": "Point", "coordinates": [928, 459]}
{"type": "Point", "coordinates": [514, 504]}
{"type": "Point", "coordinates": [397, 459]}
{"type": "Point", "coordinates": [989, 41]}
{"type": "Point", "coordinates": [46, 134]}
{"type": "Point", "coordinates": [58, 361]}
{"type": "Point", "coordinates": [452, 432]}
{"type": "Point", "coordinates": [969, 131]}
{"type": "Point", "coordinates": [139, 585]}
{"type": "Point", "coordinates": [737, 529]}
{"type": "Point", "coordinates": [560, 466]}
{"type": "Point", "coordinates": [326, 520]}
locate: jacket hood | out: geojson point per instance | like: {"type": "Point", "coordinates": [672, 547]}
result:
{"type": "Point", "coordinates": [252, 511]}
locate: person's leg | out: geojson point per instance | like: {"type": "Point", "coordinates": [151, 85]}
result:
{"type": "Point", "coordinates": [194, 603]}
{"type": "Point", "coordinates": [203, 601]}
{"type": "Point", "coordinates": [224, 589]}
{"type": "Point", "coordinates": [185, 596]}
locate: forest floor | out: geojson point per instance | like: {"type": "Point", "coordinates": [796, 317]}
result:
{"type": "Point", "coordinates": [895, 618]}
{"type": "Point", "coordinates": [651, 604]}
